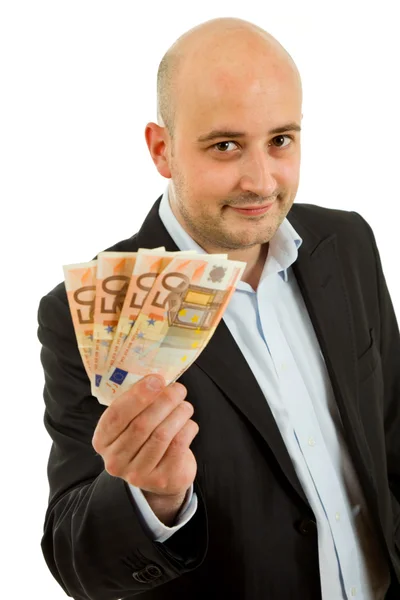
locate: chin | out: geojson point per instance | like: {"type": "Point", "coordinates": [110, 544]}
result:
{"type": "Point", "coordinates": [239, 243]}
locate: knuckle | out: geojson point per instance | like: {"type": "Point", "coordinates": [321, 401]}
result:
{"type": "Point", "coordinates": [177, 390]}
{"type": "Point", "coordinates": [195, 426]}
{"type": "Point", "coordinates": [96, 442]}
{"type": "Point", "coordinates": [187, 407]}
{"type": "Point", "coordinates": [183, 412]}
{"type": "Point", "coordinates": [161, 482]}
{"type": "Point", "coordinates": [111, 465]}
{"type": "Point", "coordinates": [134, 478]}
{"type": "Point", "coordinates": [139, 394]}
{"type": "Point", "coordinates": [139, 400]}
{"type": "Point", "coordinates": [190, 430]}
{"type": "Point", "coordinates": [168, 399]}
{"type": "Point", "coordinates": [138, 427]}
{"type": "Point", "coordinates": [180, 390]}
{"type": "Point", "coordinates": [112, 417]}
{"type": "Point", "coordinates": [194, 429]}
{"type": "Point", "coordinates": [161, 435]}
{"type": "Point", "coordinates": [178, 443]}
{"type": "Point", "coordinates": [142, 398]}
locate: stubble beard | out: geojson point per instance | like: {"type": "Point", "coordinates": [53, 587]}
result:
{"type": "Point", "coordinates": [213, 233]}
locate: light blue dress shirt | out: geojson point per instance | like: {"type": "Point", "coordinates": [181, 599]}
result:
{"type": "Point", "coordinates": [278, 341]}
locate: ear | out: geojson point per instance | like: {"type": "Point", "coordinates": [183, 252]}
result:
{"type": "Point", "coordinates": [156, 139]}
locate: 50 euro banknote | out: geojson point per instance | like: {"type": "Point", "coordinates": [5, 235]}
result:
{"type": "Point", "coordinates": [176, 321]}
{"type": "Point", "coordinates": [147, 266]}
{"type": "Point", "coordinates": [113, 278]}
{"type": "Point", "coordinates": [96, 293]}
{"type": "Point", "coordinates": [80, 284]}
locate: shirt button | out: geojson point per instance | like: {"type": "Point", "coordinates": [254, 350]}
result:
{"type": "Point", "coordinates": [337, 516]}
{"type": "Point", "coordinates": [353, 591]}
{"type": "Point", "coordinates": [311, 441]}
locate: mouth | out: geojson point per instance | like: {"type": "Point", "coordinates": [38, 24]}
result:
{"type": "Point", "coordinates": [253, 210]}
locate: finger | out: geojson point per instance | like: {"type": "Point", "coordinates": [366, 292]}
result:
{"type": "Point", "coordinates": [179, 445]}
{"type": "Point", "coordinates": [177, 468]}
{"type": "Point", "coordinates": [151, 453]}
{"type": "Point", "coordinates": [123, 409]}
{"type": "Point", "coordinates": [124, 448]}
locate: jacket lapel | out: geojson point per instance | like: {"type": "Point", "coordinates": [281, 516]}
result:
{"type": "Point", "coordinates": [321, 282]}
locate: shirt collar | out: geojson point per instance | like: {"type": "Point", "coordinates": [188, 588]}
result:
{"type": "Point", "coordinates": [283, 247]}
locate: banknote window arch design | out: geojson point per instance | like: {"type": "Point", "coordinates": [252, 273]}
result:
{"type": "Point", "coordinates": [195, 308]}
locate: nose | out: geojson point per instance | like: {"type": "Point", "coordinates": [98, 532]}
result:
{"type": "Point", "coordinates": [258, 176]}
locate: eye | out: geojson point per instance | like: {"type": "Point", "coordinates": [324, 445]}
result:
{"type": "Point", "coordinates": [278, 137]}
{"type": "Point", "coordinates": [220, 145]}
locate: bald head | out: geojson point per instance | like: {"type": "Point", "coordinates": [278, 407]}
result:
{"type": "Point", "coordinates": [228, 135]}
{"type": "Point", "coordinates": [224, 46]}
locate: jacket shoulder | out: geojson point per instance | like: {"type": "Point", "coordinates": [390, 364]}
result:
{"type": "Point", "coordinates": [354, 234]}
{"type": "Point", "coordinates": [314, 215]}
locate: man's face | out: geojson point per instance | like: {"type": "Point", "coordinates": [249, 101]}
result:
{"type": "Point", "coordinates": [211, 177]}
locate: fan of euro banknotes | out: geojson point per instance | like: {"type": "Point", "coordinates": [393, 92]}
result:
{"type": "Point", "coordinates": [151, 311]}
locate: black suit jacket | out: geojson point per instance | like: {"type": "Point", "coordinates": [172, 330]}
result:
{"type": "Point", "coordinates": [253, 536]}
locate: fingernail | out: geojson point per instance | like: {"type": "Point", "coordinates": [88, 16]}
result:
{"type": "Point", "coordinates": [154, 383]}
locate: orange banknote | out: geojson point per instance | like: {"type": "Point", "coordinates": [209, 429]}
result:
{"type": "Point", "coordinates": [147, 266]}
{"type": "Point", "coordinates": [114, 271]}
{"type": "Point", "coordinates": [80, 284]}
{"type": "Point", "coordinates": [176, 320]}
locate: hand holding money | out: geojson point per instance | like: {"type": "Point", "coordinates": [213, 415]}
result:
{"type": "Point", "coordinates": [144, 438]}
{"type": "Point", "coordinates": [150, 311]}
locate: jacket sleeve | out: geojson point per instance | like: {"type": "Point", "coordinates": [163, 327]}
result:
{"type": "Point", "coordinates": [95, 542]}
{"type": "Point", "coordinates": [158, 530]}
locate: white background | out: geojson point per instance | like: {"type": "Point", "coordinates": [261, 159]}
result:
{"type": "Point", "coordinates": [78, 85]}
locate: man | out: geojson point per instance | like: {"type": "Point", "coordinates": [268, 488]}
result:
{"type": "Point", "coordinates": [286, 481]}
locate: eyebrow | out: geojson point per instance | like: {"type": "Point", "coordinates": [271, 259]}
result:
{"type": "Point", "coordinates": [227, 133]}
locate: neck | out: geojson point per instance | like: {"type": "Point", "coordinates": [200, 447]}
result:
{"type": "Point", "coordinates": [254, 257]}
{"type": "Point", "coordinates": [255, 266]}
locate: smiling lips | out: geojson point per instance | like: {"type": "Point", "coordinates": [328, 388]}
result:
{"type": "Point", "coordinates": [254, 207]}
{"type": "Point", "coordinates": [253, 210]}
